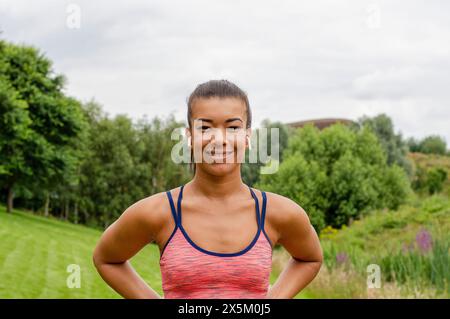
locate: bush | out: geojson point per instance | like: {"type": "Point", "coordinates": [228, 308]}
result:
{"type": "Point", "coordinates": [393, 144]}
{"type": "Point", "coordinates": [337, 175]}
{"type": "Point", "coordinates": [432, 144]}
{"type": "Point", "coordinates": [435, 179]}
{"type": "Point", "coordinates": [431, 180]}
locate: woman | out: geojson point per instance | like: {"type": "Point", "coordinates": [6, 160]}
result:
{"type": "Point", "coordinates": [210, 245]}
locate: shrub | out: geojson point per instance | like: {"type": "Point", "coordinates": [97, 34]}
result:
{"type": "Point", "coordinates": [337, 175]}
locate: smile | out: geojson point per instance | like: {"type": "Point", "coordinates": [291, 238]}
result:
{"type": "Point", "coordinates": [219, 155]}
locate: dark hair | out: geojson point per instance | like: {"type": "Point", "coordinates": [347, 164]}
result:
{"type": "Point", "coordinates": [221, 89]}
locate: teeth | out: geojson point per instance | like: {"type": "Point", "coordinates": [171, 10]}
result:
{"type": "Point", "coordinates": [225, 153]}
{"type": "Point", "coordinates": [219, 154]}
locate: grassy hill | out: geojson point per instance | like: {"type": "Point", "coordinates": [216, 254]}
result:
{"type": "Point", "coordinates": [35, 252]}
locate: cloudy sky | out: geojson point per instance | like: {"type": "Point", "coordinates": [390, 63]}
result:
{"type": "Point", "coordinates": [296, 60]}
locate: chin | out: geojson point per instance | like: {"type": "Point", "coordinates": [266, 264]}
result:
{"type": "Point", "coordinates": [219, 169]}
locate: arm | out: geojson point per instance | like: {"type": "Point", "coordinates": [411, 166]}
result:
{"type": "Point", "coordinates": [299, 238]}
{"type": "Point", "coordinates": [135, 228]}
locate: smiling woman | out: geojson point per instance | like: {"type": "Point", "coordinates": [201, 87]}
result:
{"type": "Point", "coordinates": [218, 101]}
{"type": "Point", "coordinates": [210, 245]}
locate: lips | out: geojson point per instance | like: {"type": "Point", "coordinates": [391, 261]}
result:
{"type": "Point", "coordinates": [219, 156]}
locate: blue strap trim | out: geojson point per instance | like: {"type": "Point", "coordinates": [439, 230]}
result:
{"type": "Point", "coordinates": [263, 214]}
{"type": "Point", "coordinates": [180, 197]}
{"type": "Point", "coordinates": [172, 208]}
{"type": "Point", "coordinates": [258, 212]}
{"type": "Point", "coordinates": [263, 218]}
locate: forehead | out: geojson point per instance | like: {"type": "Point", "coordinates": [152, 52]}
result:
{"type": "Point", "coordinates": [218, 109]}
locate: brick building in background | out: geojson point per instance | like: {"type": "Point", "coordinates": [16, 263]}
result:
{"type": "Point", "coordinates": [321, 123]}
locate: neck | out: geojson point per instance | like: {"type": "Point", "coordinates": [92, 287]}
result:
{"type": "Point", "coordinates": [218, 187]}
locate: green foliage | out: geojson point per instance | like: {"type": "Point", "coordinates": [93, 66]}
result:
{"type": "Point", "coordinates": [432, 144]}
{"type": "Point", "coordinates": [72, 160]}
{"type": "Point", "coordinates": [430, 180]}
{"type": "Point", "coordinates": [337, 175]}
{"type": "Point", "coordinates": [303, 182]}
{"type": "Point", "coordinates": [14, 131]}
{"type": "Point", "coordinates": [435, 179]}
{"type": "Point", "coordinates": [250, 172]}
{"type": "Point", "coordinates": [124, 162]}
{"type": "Point", "coordinates": [40, 124]}
{"type": "Point", "coordinates": [393, 144]}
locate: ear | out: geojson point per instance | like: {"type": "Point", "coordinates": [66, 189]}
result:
{"type": "Point", "coordinates": [249, 132]}
{"type": "Point", "coordinates": [249, 135]}
{"type": "Point", "coordinates": [187, 132]}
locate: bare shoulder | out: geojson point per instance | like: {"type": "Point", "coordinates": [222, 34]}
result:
{"type": "Point", "coordinates": [149, 212]}
{"type": "Point", "coordinates": [283, 208]}
{"type": "Point", "coordinates": [284, 214]}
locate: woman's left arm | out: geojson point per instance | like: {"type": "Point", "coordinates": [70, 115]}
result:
{"type": "Point", "coordinates": [298, 237]}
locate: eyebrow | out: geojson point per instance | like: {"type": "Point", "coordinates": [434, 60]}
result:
{"type": "Point", "coordinates": [226, 121]}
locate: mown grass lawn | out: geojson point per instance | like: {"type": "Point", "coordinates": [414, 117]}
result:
{"type": "Point", "coordinates": [35, 252]}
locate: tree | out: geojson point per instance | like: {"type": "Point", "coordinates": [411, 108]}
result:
{"type": "Point", "coordinates": [413, 145]}
{"type": "Point", "coordinates": [14, 134]}
{"type": "Point", "coordinates": [251, 171]}
{"type": "Point", "coordinates": [393, 144]}
{"type": "Point", "coordinates": [337, 174]}
{"type": "Point", "coordinates": [435, 179]}
{"type": "Point", "coordinates": [124, 161]}
{"type": "Point", "coordinates": [39, 123]}
{"type": "Point", "coordinates": [433, 144]}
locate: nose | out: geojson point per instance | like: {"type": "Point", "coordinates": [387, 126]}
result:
{"type": "Point", "coordinates": [219, 140]}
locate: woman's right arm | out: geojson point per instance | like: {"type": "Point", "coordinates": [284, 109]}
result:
{"type": "Point", "coordinates": [136, 227]}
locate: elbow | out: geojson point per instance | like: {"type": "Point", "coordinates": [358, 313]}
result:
{"type": "Point", "coordinates": [320, 259]}
{"type": "Point", "coordinates": [319, 264]}
{"type": "Point", "coordinates": [96, 260]}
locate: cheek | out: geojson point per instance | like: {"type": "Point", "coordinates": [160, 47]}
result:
{"type": "Point", "coordinates": [239, 140]}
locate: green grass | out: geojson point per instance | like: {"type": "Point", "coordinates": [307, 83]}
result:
{"type": "Point", "coordinates": [35, 252]}
{"type": "Point", "coordinates": [428, 161]}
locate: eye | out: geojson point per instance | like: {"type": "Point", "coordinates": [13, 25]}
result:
{"type": "Point", "coordinates": [203, 128]}
{"type": "Point", "coordinates": [234, 128]}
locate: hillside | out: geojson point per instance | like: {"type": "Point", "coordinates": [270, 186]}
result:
{"type": "Point", "coordinates": [35, 252]}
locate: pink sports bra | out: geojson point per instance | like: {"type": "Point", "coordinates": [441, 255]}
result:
{"type": "Point", "coordinates": [191, 272]}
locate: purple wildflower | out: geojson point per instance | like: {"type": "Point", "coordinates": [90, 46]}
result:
{"type": "Point", "coordinates": [424, 240]}
{"type": "Point", "coordinates": [341, 258]}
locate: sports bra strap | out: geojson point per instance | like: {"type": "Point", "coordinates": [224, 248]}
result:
{"type": "Point", "coordinates": [263, 213]}
{"type": "Point", "coordinates": [258, 211]}
{"type": "Point", "coordinates": [172, 208]}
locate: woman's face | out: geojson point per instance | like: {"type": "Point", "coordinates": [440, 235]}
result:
{"type": "Point", "coordinates": [218, 134]}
